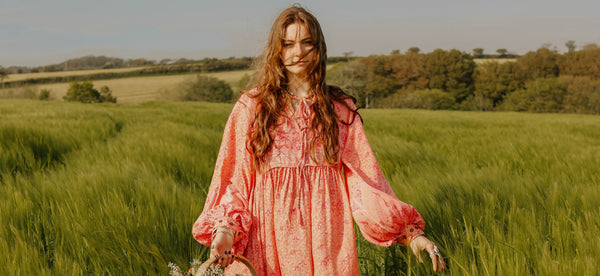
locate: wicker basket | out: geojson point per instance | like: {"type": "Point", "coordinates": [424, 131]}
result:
{"type": "Point", "coordinates": [202, 269]}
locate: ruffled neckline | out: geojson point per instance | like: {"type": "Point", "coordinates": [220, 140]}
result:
{"type": "Point", "coordinates": [310, 97]}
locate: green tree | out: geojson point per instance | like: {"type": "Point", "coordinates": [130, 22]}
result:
{"type": "Point", "coordinates": [540, 95]}
{"type": "Point", "coordinates": [502, 52]}
{"type": "Point", "coordinates": [570, 45]}
{"type": "Point", "coordinates": [44, 94]}
{"type": "Point", "coordinates": [494, 80]}
{"type": "Point", "coordinates": [244, 82]}
{"type": "Point", "coordinates": [347, 55]}
{"type": "Point", "coordinates": [451, 71]}
{"type": "Point", "coordinates": [106, 95]}
{"type": "Point", "coordinates": [580, 63]}
{"type": "Point", "coordinates": [427, 99]}
{"type": "Point", "coordinates": [209, 89]}
{"type": "Point", "coordinates": [407, 71]}
{"type": "Point", "coordinates": [351, 78]}
{"type": "Point", "coordinates": [590, 46]}
{"type": "Point", "coordinates": [86, 93]}
{"type": "Point", "coordinates": [414, 49]}
{"type": "Point", "coordinates": [108, 65]}
{"type": "Point", "coordinates": [379, 83]}
{"type": "Point", "coordinates": [478, 52]}
{"type": "Point", "coordinates": [583, 95]}
{"type": "Point", "coordinates": [542, 63]}
{"type": "Point", "coordinates": [82, 92]}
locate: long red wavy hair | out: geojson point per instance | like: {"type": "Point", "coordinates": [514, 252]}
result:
{"type": "Point", "coordinates": [271, 82]}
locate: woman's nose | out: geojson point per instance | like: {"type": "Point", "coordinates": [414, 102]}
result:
{"type": "Point", "coordinates": [298, 50]}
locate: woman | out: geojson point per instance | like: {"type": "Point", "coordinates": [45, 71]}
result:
{"type": "Point", "coordinates": [295, 168]}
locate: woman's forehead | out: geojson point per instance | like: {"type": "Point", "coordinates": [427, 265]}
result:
{"type": "Point", "coordinates": [296, 31]}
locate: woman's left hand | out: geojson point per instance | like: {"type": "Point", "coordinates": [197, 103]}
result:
{"type": "Point", "coordinates": [421, 243]}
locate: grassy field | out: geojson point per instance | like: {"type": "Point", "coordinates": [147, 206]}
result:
{"type": "Point", "coordinates": [115, 189]}
{"type": "Point", "coordinates": [140, 89]}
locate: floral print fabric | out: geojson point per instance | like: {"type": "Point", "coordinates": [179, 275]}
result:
{"type": "Point", "coordinates": [295, 216]}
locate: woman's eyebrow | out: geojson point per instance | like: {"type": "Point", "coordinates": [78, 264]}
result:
{"type": "Point", "coordinates": [303, 39]}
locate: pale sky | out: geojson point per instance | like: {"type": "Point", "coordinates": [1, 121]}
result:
{"type": "Point", "coordinates": [42, 32]}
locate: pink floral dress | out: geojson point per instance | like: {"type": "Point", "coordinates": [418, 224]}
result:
{"type": "Point", "coordinates": [295, 216]}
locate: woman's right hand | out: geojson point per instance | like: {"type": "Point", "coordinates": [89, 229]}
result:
{"type": "Point", "coordinates": [220, 249]}
{"type": "Point", "coordinates": [421, 243]}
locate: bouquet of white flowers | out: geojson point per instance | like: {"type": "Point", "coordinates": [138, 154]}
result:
{"type": "Point", "coordinates": [207, 269]}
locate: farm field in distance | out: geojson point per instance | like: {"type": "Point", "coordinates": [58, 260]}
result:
{"type": "Point", "coordinates": [130, 90]}
{"type": "Point", "coordinates": [115, 188]}
{"type": "Point", "coordinates": [143, 88]}
{"type": "Point", "coordinates": [16, 77]}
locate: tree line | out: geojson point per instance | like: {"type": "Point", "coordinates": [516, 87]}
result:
{"type": "Point", "coordinates": [83, 63]}
{"type": "Point", "coordinates": [103, 62]}
{"type": "Point", "coordinates": [539, 81]}
{"type": "Point", "coordinates": [176, 67]}
{"type": "Point", "coordinates": [165, 66]}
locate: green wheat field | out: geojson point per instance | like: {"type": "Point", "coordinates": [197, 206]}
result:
{"type": "Point", "coordinates": [114, 189]}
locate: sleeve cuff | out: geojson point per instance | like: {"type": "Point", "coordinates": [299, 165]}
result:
{"type": "Point", "coordinates": [231, 224]}
{"type": "Point", "coordinates": [409, 233]}
{"type": "Point", "coordinates": [235, 218]}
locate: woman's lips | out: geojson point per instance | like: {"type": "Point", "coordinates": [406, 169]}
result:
{"type": "Point", "coordinates": [302, 62]}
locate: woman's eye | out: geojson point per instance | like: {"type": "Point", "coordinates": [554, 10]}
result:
{"type": "Point", "coordinates": [287, 44]}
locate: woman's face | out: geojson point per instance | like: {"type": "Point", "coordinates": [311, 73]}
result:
{"type": "Point", "coordinates": [297, 52]}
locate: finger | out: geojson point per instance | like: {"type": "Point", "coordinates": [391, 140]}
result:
{"type": "Point", "coordinates": [220, 257]}
{"type": "Point", "coordinates": [214, 252]}
{"type": "Point", "coordinates": [418, 255]}
{"type": "Point", "coordinates": [416, 252]}
{"type": "Point", "coordinates": [434, 260]}
{"type": "Point", "coordinates": [224, 259]}
{"type": "Point", "coordinates": [438, 262]}
{"type": "Point", "coordinates": [216, 256]}
{"type": "Point", "coordinates": [442, 263]}
{"type": "Point", "coordinates": [232, 257]}
{"type": "Point", "coordinates": [227, 259]}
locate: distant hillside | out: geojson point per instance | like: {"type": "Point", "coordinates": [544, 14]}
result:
{"type": "Point", "coordinates": [103, 62]}
{"type": "Point", "coordinates": [83, 63]}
